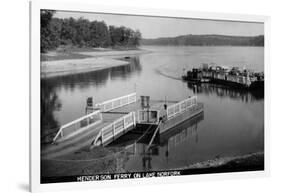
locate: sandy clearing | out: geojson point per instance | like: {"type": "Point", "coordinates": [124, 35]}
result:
{"type": "Point", "coordinates": [113, 53]}
{"type": "Point", "coordinates": [73, 66]}
{"type": "Point", "coordinates": [96, 60]}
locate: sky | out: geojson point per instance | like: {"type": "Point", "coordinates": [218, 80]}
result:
{"type": "Point", "coordinates": [155, 27]}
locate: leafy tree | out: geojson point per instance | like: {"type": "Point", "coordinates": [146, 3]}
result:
{"type": "Point", "coordinates": [82, 32]}
{"type": "Point", "coordinates": [45, 30]}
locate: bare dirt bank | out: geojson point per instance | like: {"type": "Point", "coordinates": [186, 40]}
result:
{"type": "Point", "coordinates": [60, 63]}
{"type": "Point", "coordinates": [73, 66]}
{"type": "Point", "coordinates": [113, 53]}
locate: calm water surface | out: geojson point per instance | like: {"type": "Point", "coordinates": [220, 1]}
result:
{"type": "Point", "coordinates": [232, 123]}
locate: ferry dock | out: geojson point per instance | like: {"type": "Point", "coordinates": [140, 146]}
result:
{"type": "Point", "coordinates": [106, 121]}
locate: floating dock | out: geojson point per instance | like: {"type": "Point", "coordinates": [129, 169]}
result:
{"type": "Point", "coordinates": [172, 138]}
{"type": "Point", "coordinates": [113, 118]}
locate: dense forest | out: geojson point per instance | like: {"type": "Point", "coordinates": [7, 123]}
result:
{"type": "Point", "coordinates": [207, 40]}
{"type": "Point", "coordinates": [84, 33]}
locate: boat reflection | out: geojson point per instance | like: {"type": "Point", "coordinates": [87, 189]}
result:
{"type": "Point", "coordinates": [181, 133]}
{"type": "Point", "coordinates": [162, 145]}
{"type": "Point", "coordinates": [226, 92]}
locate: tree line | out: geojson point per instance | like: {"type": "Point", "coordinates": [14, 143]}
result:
{"type": "Point", "coordinates": [207, 40]}
{"type": "Point", "coordinates": [84, 33]}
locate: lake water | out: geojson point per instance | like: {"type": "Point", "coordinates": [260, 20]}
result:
{"type": "Point", "coordinates": [232, 123]}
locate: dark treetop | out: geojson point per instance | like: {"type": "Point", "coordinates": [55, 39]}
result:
{"type": "Point", "coordinates": [84, 33]}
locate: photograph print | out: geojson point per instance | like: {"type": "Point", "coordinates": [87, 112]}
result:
{"type": "Point", "coordinates": [133, 96]}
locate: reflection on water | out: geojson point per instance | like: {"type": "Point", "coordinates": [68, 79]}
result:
{"type": "Point", "coordinates": [141, 158]}
{"type": "Point", "coordinates": [166, 143]}
{"type": "Point", "coordinates": [51, 103]}
{"type": "Point", "coordinates": [226, 92]}
{"type": "Point", "coordinates": [233, 119]}
{"type": "Point", "coordinates": [181, 133]}
{"type": "Point", "coordinates": [96, 78]}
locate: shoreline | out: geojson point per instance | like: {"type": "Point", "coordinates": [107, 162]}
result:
{"type": "Point", "coordinates": [63, 63]}
{"type": "Point", "coordinates": [91, 166]}
{"type": "Point", "coordinates": [242, 163]}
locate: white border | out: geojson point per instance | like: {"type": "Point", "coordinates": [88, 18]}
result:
{"type": "Point", "coordinates": [35, 7]}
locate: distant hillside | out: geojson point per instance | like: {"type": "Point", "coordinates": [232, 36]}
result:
{"type": "Point", "coordinates": [207, 40]}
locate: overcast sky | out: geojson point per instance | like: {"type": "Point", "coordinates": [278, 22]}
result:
{"type": "Point", "coordinates": [154, 27]}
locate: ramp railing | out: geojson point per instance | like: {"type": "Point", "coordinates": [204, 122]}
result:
{"type": "Point", "coordinates": [117, 102]}
{"type": "Point", "coordinates": [74, 127]}
{"type": "Point", "coordinates": [112, 130]}
{"type": "Point", "coordinates": [181, 106]}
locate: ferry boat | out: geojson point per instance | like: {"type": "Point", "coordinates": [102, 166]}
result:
{"type": "Point", "coordinates": [234, 77]}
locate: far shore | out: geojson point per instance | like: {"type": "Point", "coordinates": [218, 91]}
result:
{"type": "Point", "coordinates": [59, 63]}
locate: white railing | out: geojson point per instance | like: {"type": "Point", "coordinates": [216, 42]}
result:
{"type": "Point", "coordinates": [117, 102]}
{"type": "Point", "coordinates": [115, 128]}
{"type": "Point", "coordinates": [145, 116]}
{"type": "Point", "coordinates": [78, 125]}
{"type": "Point", "coordinates": [181, 106]}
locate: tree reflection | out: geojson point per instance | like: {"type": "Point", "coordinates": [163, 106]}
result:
{"type": "Point", "coordinates": [49, 104]}
{"type": "Point", "coordinates": [50, 101]}
{"type": "Point", "coordinates": [126, 71]}
{"type": "Point", "coordinates": [97, 78]}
